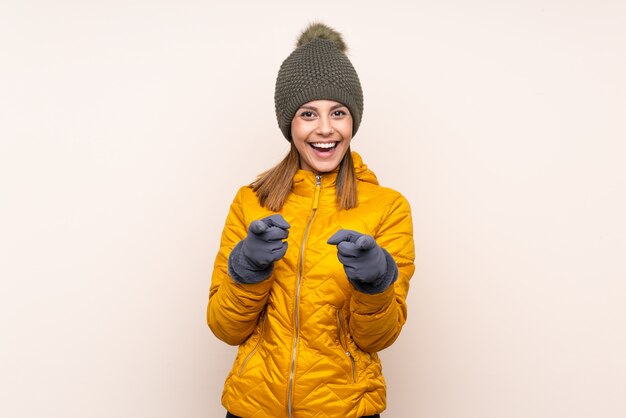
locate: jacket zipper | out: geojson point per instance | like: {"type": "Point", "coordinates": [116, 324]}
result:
{"type": "Point", "coordinates": [256, 346]}
{"type": "Point", "coordinates": [318, 186]}
{"type": "Point", "coordinates": [344, 344]}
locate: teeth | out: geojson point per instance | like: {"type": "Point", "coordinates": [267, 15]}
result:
{"type": "Point", "coordinates": [325, 145]}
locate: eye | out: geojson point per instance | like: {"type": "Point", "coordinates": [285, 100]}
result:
{"type": "Point", "coordinates": [307, 114]}
{"type": "Point", "coordinates": [339, 113]}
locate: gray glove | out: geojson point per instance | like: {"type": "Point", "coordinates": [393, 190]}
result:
{"type": "Point", "coordinates": [252, 259]}
{"type": "Point", "coordinates": [370, 268]}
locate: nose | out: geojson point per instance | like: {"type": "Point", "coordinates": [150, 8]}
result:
{"type": "Point", "coordinates": [325, 127]}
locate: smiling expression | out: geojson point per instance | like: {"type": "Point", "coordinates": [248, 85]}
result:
{"type": "Point", "coordinates": [321, 130]}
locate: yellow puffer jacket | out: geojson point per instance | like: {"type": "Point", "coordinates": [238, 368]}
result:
{"type": "Point", "coordinates": [307, 339]}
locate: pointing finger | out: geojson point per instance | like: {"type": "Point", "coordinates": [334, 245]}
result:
{"type": "Point", "coordinates": [343, 235]}
{"type": "Point", "coordinates": [277, 220]}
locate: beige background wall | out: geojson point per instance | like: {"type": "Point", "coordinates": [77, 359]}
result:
{"type": "Point", "coordinates": [126, 127]}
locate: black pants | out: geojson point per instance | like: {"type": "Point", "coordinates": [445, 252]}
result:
{"type": "Point", "coordinates": [229, 415]}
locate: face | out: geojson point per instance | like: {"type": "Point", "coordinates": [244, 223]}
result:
{"type": "Point", "coordinates": [321, 130]}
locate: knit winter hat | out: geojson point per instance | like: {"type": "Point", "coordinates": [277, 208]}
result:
{"type": "Point", "coordinates": [317, 69]}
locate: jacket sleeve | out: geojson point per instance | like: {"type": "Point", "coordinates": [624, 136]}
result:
{"type": "Point", "coordinates": [376, 320]}
{"type": "Point", "coordinates": [234, 308]}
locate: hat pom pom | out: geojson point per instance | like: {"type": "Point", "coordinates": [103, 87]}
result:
{"type": "Point", "coordinates": [320, 30]}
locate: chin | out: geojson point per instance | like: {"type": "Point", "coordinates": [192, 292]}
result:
{"type": "Point", "coordinates": [326, 167]}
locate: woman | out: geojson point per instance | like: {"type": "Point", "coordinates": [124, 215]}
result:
{"type": "Point", "coordinates": [315, 258]}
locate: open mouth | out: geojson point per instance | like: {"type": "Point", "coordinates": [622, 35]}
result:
{"type": "Point", "coordinates": [324, 146]}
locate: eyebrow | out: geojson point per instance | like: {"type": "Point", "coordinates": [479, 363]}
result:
{"type": "Point", "coordinates": [309, 107]}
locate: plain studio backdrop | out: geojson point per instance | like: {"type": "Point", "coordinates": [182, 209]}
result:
{"type": "Point", "coordinates": [127, 126]}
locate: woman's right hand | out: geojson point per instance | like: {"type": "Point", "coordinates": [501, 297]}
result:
{"type": "Point", "coordinates": [252, 259]}
{"type": "Point", "coordinates": [264, 243]}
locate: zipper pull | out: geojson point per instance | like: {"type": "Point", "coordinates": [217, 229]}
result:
{"type": "Point", "coordinates": [318, 187]}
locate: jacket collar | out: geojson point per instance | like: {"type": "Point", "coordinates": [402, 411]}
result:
{"type": "Point", "coordinates": [304, 181]}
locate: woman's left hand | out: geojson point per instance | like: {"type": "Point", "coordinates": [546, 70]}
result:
{"type": "Point", "coordinates": [369, 267]}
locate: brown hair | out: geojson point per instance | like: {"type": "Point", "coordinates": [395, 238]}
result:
{"type": "Point", "coordinates": [273, 186]}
